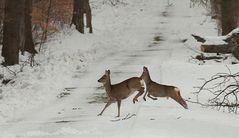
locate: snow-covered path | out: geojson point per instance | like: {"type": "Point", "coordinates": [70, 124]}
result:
{"type": "Point", "coordinates": [75, 115]}
{"type": "Point", "coordinates": [63, 118]}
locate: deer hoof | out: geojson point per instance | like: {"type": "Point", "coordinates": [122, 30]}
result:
{"type": "Point", "coordinates": [185, 106]}
{"type": "Point", "coordinates": [99, 114]}
{"type": "Point", "coordinates": [155, 99]}
{"type": "Point", "coordinates": [135, 100]}
{"type": "Point", "coordinates": [144, 99]}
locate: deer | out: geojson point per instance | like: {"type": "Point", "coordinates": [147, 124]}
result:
{"type": "Point", "coordinates": [122, 90]}
{"type": "Point", "coordinates": [154, 89]}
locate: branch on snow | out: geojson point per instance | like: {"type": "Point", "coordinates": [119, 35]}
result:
{"type": "Point", "coordinates": [223, 89]}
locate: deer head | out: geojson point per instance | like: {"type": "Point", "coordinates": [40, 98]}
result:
{"type": "Point", "coordinates": [145, 75]}
{"type": "Point", "coordinates": [105, 77]}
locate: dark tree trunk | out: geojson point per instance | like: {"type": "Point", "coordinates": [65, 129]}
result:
{"type": "Point", "coordinates": [81, 7]}
{"type": "Point", "coordinates": [1, 32]}
{"type": "Point", "coordinates": [17, 34]}
{"type": "Point", "coordinates": [1, 19]}
{"type": "Point", "coordinates": [78, 15]}
{"type": "Point", "coordinates": [88, 16]}
{"type": "Point", "coordinates": [216, 13]}
{"type": "Point", "coordinates": [236, 12]}
{"type": "Point", "coordinates": [29, 45]}
{"type": "Point", "coordinates": [12, 31]}
{"type": "Point", "coordinates": [45, 31]}
{"type": "Point", "coordinates": [228, 20]}
{"type": "Point", "coordinates": [215, 10]}
{"type": "Point", "coordinates": [227, 14]}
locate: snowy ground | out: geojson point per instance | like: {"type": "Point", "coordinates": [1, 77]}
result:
{"type": "Point", "coordinates": [61, 98]}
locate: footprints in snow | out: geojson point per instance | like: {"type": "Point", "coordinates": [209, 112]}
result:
{"type": "Point", "coordinates": [156, 40]}
{"type": "Point", "coordinates": [66, 92]}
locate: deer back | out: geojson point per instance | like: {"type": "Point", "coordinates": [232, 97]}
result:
{"type": "Point", "coordinates": [125, 88]}
{"type": "Point", "coordinates": [159, 90]}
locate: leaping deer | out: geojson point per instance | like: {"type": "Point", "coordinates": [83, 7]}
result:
{"type": "Point", "coordinates": [158, 90]}
{"type": "Point", "coordinates": [122, 90]}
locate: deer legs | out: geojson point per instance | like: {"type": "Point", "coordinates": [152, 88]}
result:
{"type": "Point", "coordinates": [141, 91]}
{"type": "Point", "coordinates": [145, 95]}
{"type": "Point", "coordinates": [118, 104]}
{"type": "Point", "coordinates": [108, 104]}
{"type": "Point", "coordinates": [148, 94]}
{"type": "Point", "coordinates": [151, 97]}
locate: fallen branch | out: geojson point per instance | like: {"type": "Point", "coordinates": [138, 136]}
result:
{"type": "Point", "coordinates": [224, 91]}
{"type": "Point", "coordinates": [202, 57]}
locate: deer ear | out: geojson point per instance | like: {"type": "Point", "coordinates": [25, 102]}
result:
{"type": "Point", "coordinates": [108, 72]}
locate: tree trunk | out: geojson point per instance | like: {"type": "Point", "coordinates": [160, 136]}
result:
{"type": "Point", "coordinates": [216, 13]}
{"type": "Point", "coordinates": [17, 34]}
{"type": "Point", "coordinates": [228, 20]}
{"type": "Point", "coordinates": [226, 12]}
{"type": "Point", "coordinates": [12, 31]}
{"type": "Point", "coordinates": [88, 16]}
{"type": "Point", "coordinates": [29, 45]}
{"type": "Point", "coordinates": [45, 30]}
{"type": "Point", "coordinates": [78, 15]}
{"type": "Point", "coordinates": [81, 7]}
{"type": "Point", "coordinates": [1, 19]}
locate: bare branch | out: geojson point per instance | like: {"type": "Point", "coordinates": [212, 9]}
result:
{"type": "Point", "coordinates": [224, 89]}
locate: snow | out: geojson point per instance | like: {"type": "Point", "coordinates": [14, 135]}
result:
{"type": "Point", "coordinates": [215, 40]}
{"type": "Point", "coordinates": [219, 40]}
{"type": "Point", "coordinates": [235, 31]}
{"type": "Point", "coordinates": [61, 97]}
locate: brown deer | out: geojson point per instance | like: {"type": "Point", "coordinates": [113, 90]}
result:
{"type": "Point", "coordinates": [158, 90]}
{"type": "Point", "coordinates": [122, 90]}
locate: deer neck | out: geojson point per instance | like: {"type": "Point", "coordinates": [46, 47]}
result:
{"type": "Point", "coordinates": [146, 77]}
{"type": "Point", "coordinates": [107, 85]}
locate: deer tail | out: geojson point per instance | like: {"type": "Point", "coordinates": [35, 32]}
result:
{"type": "Point", "coordinates": [180, 99]}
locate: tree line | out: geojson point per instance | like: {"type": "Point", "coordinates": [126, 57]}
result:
{"type": "Point", "coordinates": [27, 23]}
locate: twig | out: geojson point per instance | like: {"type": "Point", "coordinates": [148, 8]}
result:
{"type": "Point", "coordinates": [128, 116]}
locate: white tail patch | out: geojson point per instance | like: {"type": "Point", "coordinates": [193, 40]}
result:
{"type": "Point", "coordinates": [176, 89]}
{"type": "Point", "coordinates": [143, 84]}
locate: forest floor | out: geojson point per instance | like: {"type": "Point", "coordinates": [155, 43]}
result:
{"type": "Point", "coordinates": [61, 97]}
